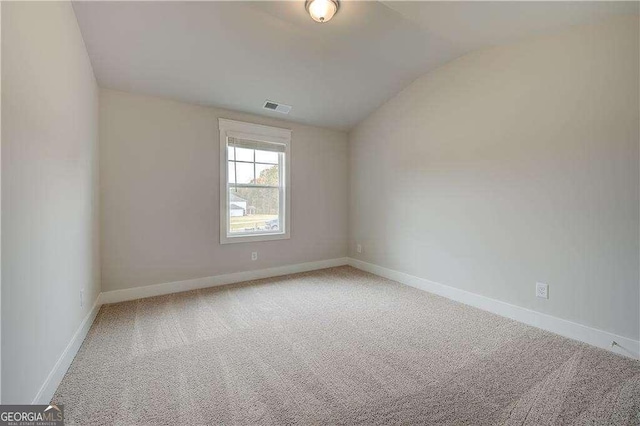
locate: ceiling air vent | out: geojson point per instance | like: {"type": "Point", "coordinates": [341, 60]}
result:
{"type": "Point", "coordinates": [274, 106]}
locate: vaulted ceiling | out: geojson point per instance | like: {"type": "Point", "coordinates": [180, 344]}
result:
{"type": "Point", "coordinates": [237, 54]}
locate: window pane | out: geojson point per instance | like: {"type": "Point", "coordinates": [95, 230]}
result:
{"type": "Point", "coordinates": [254, 210]}
{"type": "Point", "coordinates": [267, 175]}
{"type": "Point", "coordinates": [230, 153]}
{"type": "Point", "coordinates": [232, 172]}
{"type": "Point", "coordinates": [244, 172]}
{"type": "Point", "coordinates": [266, 157]}
{"type": "Point", "coordinates": [243, 154]}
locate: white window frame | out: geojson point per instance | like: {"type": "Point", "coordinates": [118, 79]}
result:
{"type": "Point", "coordinates": [256, 132]}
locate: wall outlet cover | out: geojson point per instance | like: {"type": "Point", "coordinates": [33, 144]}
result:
{"type": "Point", "coordinates": [542, 290]}
{"type": "Point", "coordinates": [254, 255]}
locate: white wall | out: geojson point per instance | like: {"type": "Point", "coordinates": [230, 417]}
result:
{"type": "Point", "coordinates": [510, 166]}
{"type": "Point", "coordinates": [0, 216]}
{"type": "Point", "coordinates": [159, 172]}
{"type": "Point", "coordinates": [49, 190]}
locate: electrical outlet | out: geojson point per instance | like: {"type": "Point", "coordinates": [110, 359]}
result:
{"type": "Point", "coordinates": [359, 248]}
{"type": "Point", "coordinates": [254, 255]}
{"type": "Point", "coordinates": [81, 298]}
{"type": "Point", "coordinates": [542, 290]}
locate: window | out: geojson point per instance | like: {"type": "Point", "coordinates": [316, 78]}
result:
{"type": "Point", "coordinates": [254, 182]}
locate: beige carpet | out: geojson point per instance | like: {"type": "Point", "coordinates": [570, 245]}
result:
{"type": "Point", "coordinates": [337, 346]}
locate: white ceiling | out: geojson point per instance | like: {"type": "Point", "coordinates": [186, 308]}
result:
{"type": "Point", "coordinates": [238, 54]}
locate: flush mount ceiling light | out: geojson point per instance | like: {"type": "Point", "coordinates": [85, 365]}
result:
{"type": "Point", "coordinates": [322, 10]}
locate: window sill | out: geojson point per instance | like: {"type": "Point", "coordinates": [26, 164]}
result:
{"type": "Point", "coordinates": [253, 238]}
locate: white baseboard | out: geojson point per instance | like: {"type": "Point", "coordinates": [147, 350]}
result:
{"type": "Point", "coordinates": [134, 293]}
{"type": "Point", "coordinates": [54, 378]}
{"type": "Point", "coordinates": [602, 339]}
{"type": "Point", "coordinates": [599, 338]}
